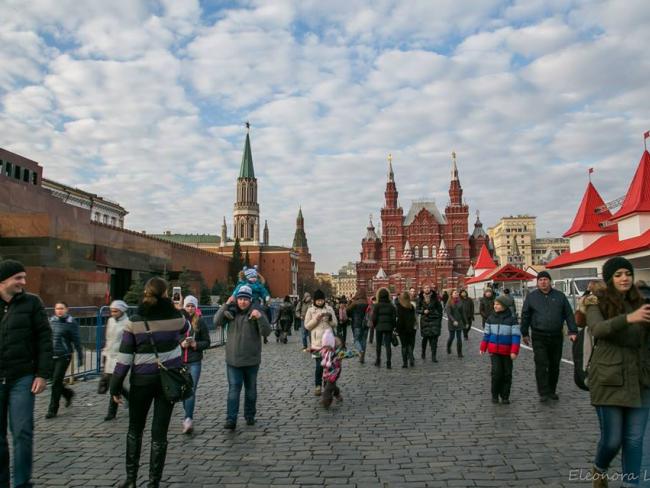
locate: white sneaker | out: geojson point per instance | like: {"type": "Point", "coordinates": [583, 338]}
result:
{"type": "Point", "coordinates": [187, 426]}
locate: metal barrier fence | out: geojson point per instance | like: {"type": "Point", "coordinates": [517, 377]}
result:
{"type": "Point", "coordinates": [92, 323]}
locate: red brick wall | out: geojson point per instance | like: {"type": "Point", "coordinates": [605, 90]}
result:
{"type": "Point", "coordinates": [32, 212]}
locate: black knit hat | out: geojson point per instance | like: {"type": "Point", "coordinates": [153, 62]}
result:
{"type": "Point", "coordinates": [10, 267]}
{"type": "Point", "coordinates": [319, 295]}
{"type": "Point", "coordinates": [612, 265]}
{"type": "Point", "coordinates": [543, 274]}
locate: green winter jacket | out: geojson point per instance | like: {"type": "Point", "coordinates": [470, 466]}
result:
{"type": "Point", "coordinates": [619, 368]}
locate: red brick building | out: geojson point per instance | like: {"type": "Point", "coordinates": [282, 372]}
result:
{"type": "Point", "coordinates": [425, 246]}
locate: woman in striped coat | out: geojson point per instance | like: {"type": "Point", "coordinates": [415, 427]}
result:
{"type": "Point", "coordinates": [501, 338]}
{"type": "Point", "coordinates": [166, 326]}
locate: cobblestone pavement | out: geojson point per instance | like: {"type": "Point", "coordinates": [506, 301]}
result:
{"type": "Point", "coordinates": [432, 425]}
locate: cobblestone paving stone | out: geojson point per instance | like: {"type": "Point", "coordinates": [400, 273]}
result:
{"type": "Point", "coordinates": [428, 426]}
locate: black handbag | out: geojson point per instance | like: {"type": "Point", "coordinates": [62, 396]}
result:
{"type": "Point", "coordinates": [177, 383]}
{"type": "Point", "coordinates": [394, 340]}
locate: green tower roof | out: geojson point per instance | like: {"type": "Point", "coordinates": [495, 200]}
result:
{"type": "Point", "coordinates": [246, 170]}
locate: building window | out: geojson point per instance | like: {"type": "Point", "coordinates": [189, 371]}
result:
{"type": "Point", "coordinates": [113, 221]}
{"type": "Point", "coordinates": [97, 216]}
{"type": "Point", "coordinates": [34, 178]}
{"type": "Point", "coordinates": [434, 252]}
{"type": "Point", "coordinates": [416, 252]}
{"type": "Point", "coordinates": [425, 252]}
{"type": "Point", "coordinates": [391, 252]}
{"type": "Point", "coordinates": [459, 251]}
{"type": "Point", "coordinates": [105, 219]}
{"type": "Point", "coordinates": [17, 172]}
{"type": "Point", "coordinates": [26, 175]}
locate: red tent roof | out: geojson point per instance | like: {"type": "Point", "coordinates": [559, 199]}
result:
{"type": "Point", "coordinates": [507, 272]}
{"type": "Point", "coordinates": [484, 260]}
{"type": "Point", "coordinates": [638, 195]}
{"type": "Point", "coordinates": [606, 246]}
{"type": "Point", "coordinates": [587, 220]}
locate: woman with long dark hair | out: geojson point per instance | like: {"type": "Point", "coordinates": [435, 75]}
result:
{"type": "Point", "coordinates": [158, 319]}
{"type": "Point", "coordinates": [455, 322]}
{"type": "Point", "coordinates": [430, 310]}
{"type": "Point", "coordinates": [619, 371]}
{"type": "Point", "coordinates": [384, 319]}
{"type": "Point", "coordinates": [406, 328]}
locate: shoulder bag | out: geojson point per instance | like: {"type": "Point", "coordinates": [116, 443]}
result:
{"type": "Point", "coordinates": [176, 383]}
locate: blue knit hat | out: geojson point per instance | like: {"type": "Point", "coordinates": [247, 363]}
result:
{"type": "Point", "coordinates": [250, 272]}
{"type": "Point", "coordinates": [245, 292]}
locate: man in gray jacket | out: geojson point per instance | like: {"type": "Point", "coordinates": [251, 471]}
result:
{"type": "Point", "coordinates": [243, 355]}
{"type": "Point", "coordinates": [544, 312]}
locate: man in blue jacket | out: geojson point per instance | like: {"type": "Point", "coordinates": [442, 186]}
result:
{"type": "Point", "coordinates": [544, 312]}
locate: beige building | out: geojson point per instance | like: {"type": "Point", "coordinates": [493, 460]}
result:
{"type": "Point", "coordinates": [345, 282]}
{"type": "Point", "coordinates": [101, 209]}
{"type": "Point", "coordinates": [515, 241]}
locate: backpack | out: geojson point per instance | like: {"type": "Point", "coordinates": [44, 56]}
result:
{"type": "Point", "coordinates": [582, 349]}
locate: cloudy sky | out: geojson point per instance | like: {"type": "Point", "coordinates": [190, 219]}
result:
{"type": "Point", "coordinates": [144, 102]}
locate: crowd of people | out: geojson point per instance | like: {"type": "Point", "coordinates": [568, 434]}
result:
{"type": "Point", "coordinates": [161, 335]}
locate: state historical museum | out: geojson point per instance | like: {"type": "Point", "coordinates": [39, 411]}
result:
{"type": "Point", "coordinates": [423, 247]}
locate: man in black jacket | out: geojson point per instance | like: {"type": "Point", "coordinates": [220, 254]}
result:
{"type": "Point", "coordinates": [544, 312]}
{"type": "Point", "coordinates": [25, 365]}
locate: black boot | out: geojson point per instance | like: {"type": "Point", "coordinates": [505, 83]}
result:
{"type": "Point", "coordinates": [156, 463]}
{"type": "Point", "coordinates": [424, 351]}
{"type": "Point", "coordinates": [448, 347]}
{"type": "Point", "coordinates": [133, 446]}
{"type": "Point", "coordinates": [112, 410]}
{"type": "Point", "coordinates": [459, 349]}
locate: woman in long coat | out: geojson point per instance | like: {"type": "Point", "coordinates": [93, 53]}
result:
{"type": "Point", "coordinates": [456, 322]}
{"type": "Point", "coordinates": [430, 311]}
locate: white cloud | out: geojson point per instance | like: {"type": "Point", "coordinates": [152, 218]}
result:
{"type": "Point", "coordinates": [144, 102]}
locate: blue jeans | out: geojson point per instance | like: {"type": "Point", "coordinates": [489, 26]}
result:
{"type": "Point", "coordinates": [621, 427]}
{"type": "Point", "coordinates": [305, 335]}
{"type": "Point", "coordinates": [17, 401]}
{"type": "Point", "coordinates": [246, 376]}
{"type": "Point", "coordinates": [195, 372]}
{"type": "Point", "coordinates": [360, 337]}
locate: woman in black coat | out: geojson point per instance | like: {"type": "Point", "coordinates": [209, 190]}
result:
{"type": "Point", "coordinates": [468, 310]}
{"type": "Point", "coordinates": [384, 320]}
{"type": "Point", "coordinates": [406, 328]}
{"type": "Point", "coordinates": [430, 310]}
{"type": "Point", "coordinates": [456, 322]}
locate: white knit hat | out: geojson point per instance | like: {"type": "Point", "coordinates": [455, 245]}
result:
{"type": "Point", "coordinates": [189, 299]}
{"type": "Point", "coordinates": [119, 305]}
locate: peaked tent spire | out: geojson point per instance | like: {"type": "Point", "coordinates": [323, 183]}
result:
{"type": "Point", "coordinates": [637, 198]}
{"type": "Point", "coordinates": [484, 260]}
{"type": "Point", "coordinates": [587, 220]}
{"type": "Point", "coordinates": [391, 175]}
{"type": "Point", "coordinates": [246, 170]}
